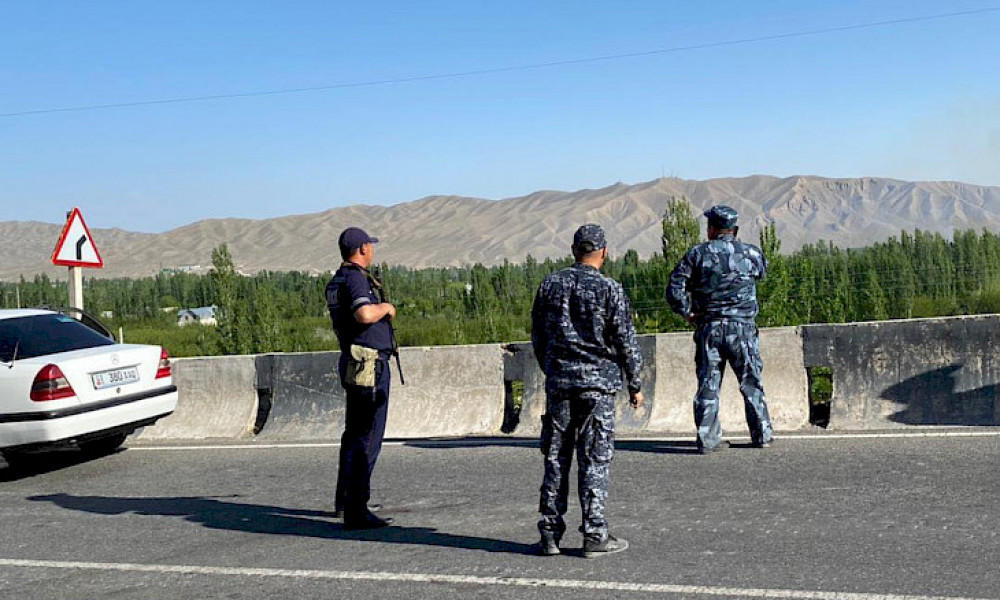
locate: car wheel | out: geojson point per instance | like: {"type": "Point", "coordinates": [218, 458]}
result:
{"type": "Point", "coordinates": [15, 460]}
{"type": "Point", "coordinates": [103, 445]}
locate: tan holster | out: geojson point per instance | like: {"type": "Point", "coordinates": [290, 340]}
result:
{"type": "Point", "coordinates": [361, 366]}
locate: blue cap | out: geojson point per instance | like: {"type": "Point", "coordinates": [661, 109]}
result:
{"type": "Point", "coordinates": [722, 216]}
{"type": "Point", "coordinates": [353, 238]}
{"type": "Point", "coordinates": [589, 237]}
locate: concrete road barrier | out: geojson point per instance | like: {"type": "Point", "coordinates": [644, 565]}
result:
{"type": "Point", "coordinates": [669, 383]}
{"type": "Point", "coordinates": [521, 365]}
{"type": "Point", "coordinates": [305, 396]}
{"type": "Point", "coordinates": [785, 384]}
{"type": "Point", "coordinates": [894, 373]}
{"type": "Point", "coordinates": [449, 391]}
{"type": "Point", "coordinates": [217, 399]}
{"type": "Point", "coordinates": [915, 372]}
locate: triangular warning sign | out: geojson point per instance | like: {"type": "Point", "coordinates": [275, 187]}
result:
{"type": "Point", "coordinates": [76, 246]}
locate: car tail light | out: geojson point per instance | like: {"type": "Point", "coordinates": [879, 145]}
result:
{"type": "Point", "coordinates": [50, 384]}
{"type": "Point", "coordinates": [164, 369]}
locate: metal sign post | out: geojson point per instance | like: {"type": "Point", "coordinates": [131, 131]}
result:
{"type": "Point", "coordinates": [76, 249]}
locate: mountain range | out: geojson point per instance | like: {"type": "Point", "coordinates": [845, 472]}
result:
{"type": "Point", "coordinates": [454, 230]}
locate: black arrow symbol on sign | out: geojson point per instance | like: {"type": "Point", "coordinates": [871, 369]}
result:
{"type": "Point", "coordinates": [79, 247]}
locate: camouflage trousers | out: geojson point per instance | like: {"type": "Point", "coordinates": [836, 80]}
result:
{"type": "Point", "coordinates": [582, 421]}
{"type": "Point", "coordinates": [733, 342]}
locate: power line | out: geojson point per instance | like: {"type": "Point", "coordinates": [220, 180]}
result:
{"type": "Point", "coordinates": [514, 68]}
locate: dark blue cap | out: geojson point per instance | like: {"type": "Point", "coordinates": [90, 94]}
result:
{"type": "Point", "coordinates": [722, 216]}
{"type": "Point", "coordinates": [589, 237]}
{"type": "Point", "coordinates": [353, 238]}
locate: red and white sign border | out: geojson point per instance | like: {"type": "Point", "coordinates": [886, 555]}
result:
{"type": "Point", "coordinates": [75, 214]}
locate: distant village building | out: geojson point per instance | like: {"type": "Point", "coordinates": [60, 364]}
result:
{"type": "Point", "coordinates": [204, 315]}
{"type": "Point", "coordinates": [183, 269]}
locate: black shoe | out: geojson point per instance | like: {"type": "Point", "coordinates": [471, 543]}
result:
{"type": "Point", "coordinates": [766, 444]}
{"type": "Point", "coordinates": [339, 513]}
{"type": "Point", "coordinates": [549, 544]}
{"type": "Point", "coordinates": [594, 546]}
{"type": "Point", "coordinates": [367, 521]}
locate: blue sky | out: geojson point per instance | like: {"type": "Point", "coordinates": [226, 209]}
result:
{"type": "Point", "coordinates": [919, 100]}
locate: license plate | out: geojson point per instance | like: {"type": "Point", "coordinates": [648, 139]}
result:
{"type": "Point", "coordinates": [115, 378]}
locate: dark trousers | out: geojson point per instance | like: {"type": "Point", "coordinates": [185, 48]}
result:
{"type": "Point", "coordinates": [580, 421]}
{"type": "Point", "coordinates": [361, 443]}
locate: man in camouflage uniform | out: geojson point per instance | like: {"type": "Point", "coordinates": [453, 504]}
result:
{"type": "Point", "coordinates": [715, 287]}
{"type": "Point", "coordinates": [583, 338]}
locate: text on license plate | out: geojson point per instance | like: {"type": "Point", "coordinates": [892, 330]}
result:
{"type": "Point", "coordinates": [114, 378]}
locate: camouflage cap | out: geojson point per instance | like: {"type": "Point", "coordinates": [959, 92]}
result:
{"type": "Point", "coordinates": [722, 216]}
{"type": "Point", "coordinates": [589, 237]}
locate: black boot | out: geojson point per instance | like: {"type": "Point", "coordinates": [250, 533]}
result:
{"type": "Point", "coordinates": [549, 544]}
{"type": "Point", "coordinates": [338, 513]}
{"type": "Point", "coordinates": [594, 546]}
{"type": "Point", "coordinates": [365, 520]}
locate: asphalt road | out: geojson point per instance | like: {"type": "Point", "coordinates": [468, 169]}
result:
{"type": "Point", "coordinates": [813, 517]}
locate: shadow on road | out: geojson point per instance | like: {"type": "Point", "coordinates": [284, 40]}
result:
{"type": "Point", "coordinates": [223, 513]}
{"type": "Point", "coordinates": [40, 463]}
{"type": "Point", "coordinates": [651, 446]}
{"type": "Point", "coordinates": [658, 447]}
{"type": "Point", "coordinates": [471, 442]}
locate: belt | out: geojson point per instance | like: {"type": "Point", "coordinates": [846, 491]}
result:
{"type": "Point", "coordinates": [703, 319]}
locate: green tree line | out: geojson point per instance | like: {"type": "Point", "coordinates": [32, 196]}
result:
{"type": "Point", "coordinates": [917, 274]}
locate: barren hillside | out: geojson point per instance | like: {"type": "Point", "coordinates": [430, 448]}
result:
{"type": "Point", "coordinates": [451, 230]}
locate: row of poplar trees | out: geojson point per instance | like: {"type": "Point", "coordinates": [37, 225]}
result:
{"type": "Point", "coordinates": [916, 274]}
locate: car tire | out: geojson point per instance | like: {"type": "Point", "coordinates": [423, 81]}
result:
{"type": "Point", "coordinates": [103, 445]}
{"type": "Point", "coordinates": [14, 459]}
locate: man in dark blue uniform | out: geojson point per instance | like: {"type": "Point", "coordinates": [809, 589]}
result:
{"type": "Point", "coordinates": [362, 323]}
{"type": "Point", "coordinates": [715, 287]}
{"type": "Point", "coordinates": [583, 338]}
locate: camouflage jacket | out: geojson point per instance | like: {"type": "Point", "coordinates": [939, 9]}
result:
{"type": "Point", "coordinates": [718, 280]}
{"type": "Point", "coordinates": [582, 332]}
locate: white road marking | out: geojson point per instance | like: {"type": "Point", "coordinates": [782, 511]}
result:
{"type": "Point", "coordinates": [901, 434]}
{"type": "Point", "coordinates": [248, 446]}
{"type": "Point", "coordinates": [466, 441]}
{"type": "Point", "coordinates": [616, 586]}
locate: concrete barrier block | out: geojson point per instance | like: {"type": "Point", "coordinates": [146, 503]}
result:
{"type": "Point", "coordinates": [914, 372]}
{"type": "Point", "coordinates": [631, 420]}
{"type": "Point", "coordinates": [307, 401]}
{"type": "Point", "coordinates": [217, 398]}
{"type": "Point", "coordinates": [785, 384]}
{"type": "Point", "coordinates": [675, 384]}
{"type": "Point", "coordinates": [449, 391]}
{"type": "Point", "coordinates": [521, 364]}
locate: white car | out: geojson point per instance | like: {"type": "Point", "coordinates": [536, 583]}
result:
{"type": "Point", "coordinates": [66, 383]}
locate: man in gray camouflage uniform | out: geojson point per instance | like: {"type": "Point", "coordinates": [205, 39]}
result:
{"type": "Point", "coordinates": [715, 287]}
{"type": "Point", "coordinates": [583, 337]}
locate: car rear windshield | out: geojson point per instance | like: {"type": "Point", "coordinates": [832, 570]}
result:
{"type": "Point", "coordinates": [39, 335]}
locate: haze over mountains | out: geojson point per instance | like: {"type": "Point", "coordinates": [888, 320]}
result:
{"type": "Point", "coordinates": [455, 230]}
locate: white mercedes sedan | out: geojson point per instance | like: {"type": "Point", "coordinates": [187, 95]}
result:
{"type": "Point", "coordinates": [64, 383]}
